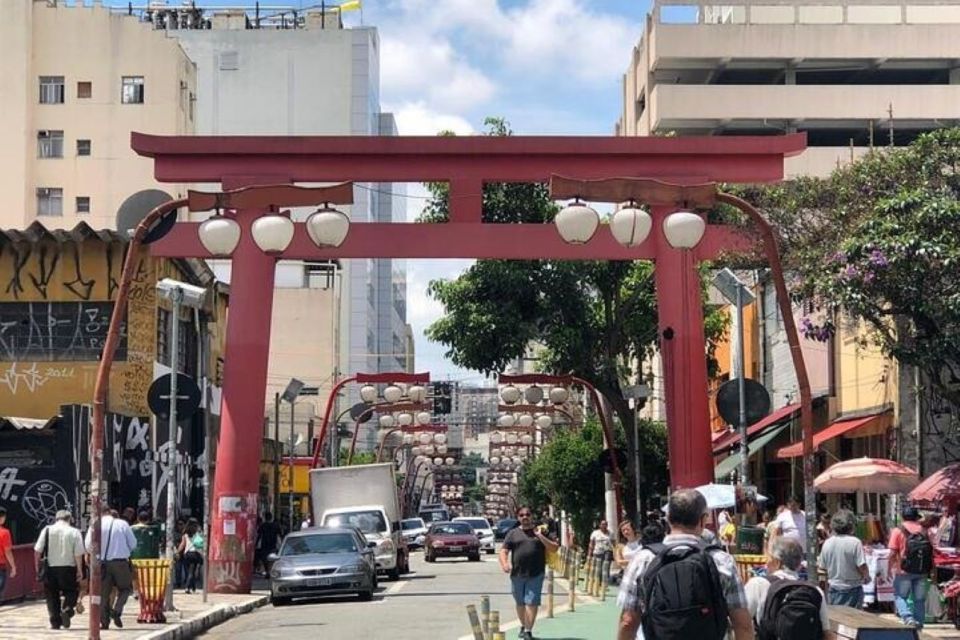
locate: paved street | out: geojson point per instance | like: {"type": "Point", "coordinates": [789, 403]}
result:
{"type": "Point", "coordinates": [430, 602]}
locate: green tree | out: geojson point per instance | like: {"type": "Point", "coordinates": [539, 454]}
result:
{"type": "Point", "coordinates": [593, 318]}
{"type": "Point", "coordinates": [879, 241]}
{"type": "Point", "coordinates": [359, 457]}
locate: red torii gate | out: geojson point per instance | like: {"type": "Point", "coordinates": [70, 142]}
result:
{"type": "Point", "coordinates": [466, 163]}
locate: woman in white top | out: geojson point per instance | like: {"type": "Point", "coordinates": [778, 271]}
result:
{"type": "Point", "coordinates": [629, 544]}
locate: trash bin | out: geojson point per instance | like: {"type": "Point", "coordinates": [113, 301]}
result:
{"type": "Point", "coordinates": [750, 540]}
{"type": "Point", "coordinates": [747, 565]}
{"type": "Point", "coordinates": [152, 579]}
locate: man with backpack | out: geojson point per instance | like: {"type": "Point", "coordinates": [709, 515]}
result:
{"type": "Point", "coordinates": [783, 606]}
{"type": "Point", "coordinates": [683, 588]}
{"type": "Point", "coordinates": [911, 561]}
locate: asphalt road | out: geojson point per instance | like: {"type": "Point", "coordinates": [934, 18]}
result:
{"type": "Point", "coordinates": [430, 602]}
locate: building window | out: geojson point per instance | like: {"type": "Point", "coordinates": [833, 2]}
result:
{"type": "Point", "coordinates": [49, 201]}
{"type": "Point", "coordinates": [51, 89]}
{"type": "Point", "coordinates": [132, 90]}
{"type": "Point", "coordinates": [84, 89]}
{"type": "Point", "coordinates": [83, 147]}
{"type": "Point", "coordinates": [83, 204]}
{"type": "Point", "coordinates": [49, 144]}
{"type": "Point", "coordinates": [193, 98]}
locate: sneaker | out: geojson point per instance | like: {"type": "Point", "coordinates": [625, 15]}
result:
{"type": "Point", "coordinates": [65, 617]}
{"type": "Point", "coordinates": [528, 635]}
{"type": "Point", "coordinates": [523, 634]}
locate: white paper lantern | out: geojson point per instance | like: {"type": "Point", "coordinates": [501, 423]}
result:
{"type": "Point", "coordinates": [559, 395]}
{"type": "Point", "coordinates": [416, 451]}
{"type": "Point", "coordinates": [525, 421]}
{"type": "Point", "coordinates": [428, 449]}
{"type": "Point", "coordinates": [533, 394]}
{"type": "Point", "coordinates": [392, 393]}
{"type": "Point", "coordinates": [510, 394]}
{"type": "Point", "coordinates": [449, 461]}
{"type": "Point", "coordinates": [407, 438]}
{"type": "Point", "coordinates": [272, 233]}
{"type": "Point", "coordinates": [545, 421]}
{"type": "Point", "coordinates": [577, 223]}
{"type": "Point", "coordinates": [526, 439]}
{"type": "Point", "coordinates": [684, 229]}
{"type": "Point", "coordinates": [386, 421]}
{"type": "Point", "coordinates": [494, 459]}
{"type": "Point", "coordinates": [424, 418]}
{"type": "Point", "coordinates": [438, 461]}
{"type": "Point", "coordinates": [405, 419]}
{"type": "Point", "coordinates": [439, 438]}
{"type": "Point", "coordinates": [506, 421]}
{"type": "Point", "coordinates": [328, 227]}
{"type": "Point", "coordinates": [630, 226]}
{"type": "Point", "coordinates": [441, 449]}
{"type": "Point", "coordinates": [417, 393]}
{"type": "Point", "coordinates": [219, 235]}
{"type": "Point", "coordinates": [511, 438]}
{"type": "Point", "coordinates": [496, 437]}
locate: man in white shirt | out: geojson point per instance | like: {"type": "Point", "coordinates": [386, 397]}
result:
{"type": "Point", "coordinates": [792, 523]}
{"type": "Point", "coordinates": [117, 542]}
{"type": "Point", "coordinates": [786, 555]}
{"type": "Point", "coordinates": [62, 546]}
{"type": "Point", "coordinates": [601, 545]}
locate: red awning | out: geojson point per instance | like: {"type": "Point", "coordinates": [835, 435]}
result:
{"type": "Point", "coordinates": [721, 444]}
{"type": "Point", "coordinates": [838, 428]}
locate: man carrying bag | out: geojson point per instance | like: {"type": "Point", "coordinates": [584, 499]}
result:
{"type": "Point", "coordinates": [59, 556]}
{"type": "Point", "coordinates": [115, 571]}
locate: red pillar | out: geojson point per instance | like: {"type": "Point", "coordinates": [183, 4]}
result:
{"type": "Point", "coordinates": [683, 349]}
{"type": "Point", "coordinates": [236, 482]}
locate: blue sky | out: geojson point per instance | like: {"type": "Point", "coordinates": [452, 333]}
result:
{"type": "Point", "coordinates": [547, 66]}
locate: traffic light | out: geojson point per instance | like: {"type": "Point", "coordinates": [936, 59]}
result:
{"type": "Point", "coordinates": [442, 403]}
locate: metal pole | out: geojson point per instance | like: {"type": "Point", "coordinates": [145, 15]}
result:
{"type": "Point", "coordinates": [276, 454]}
{"type": "Point", "coordinates": [293, 408]}
{"type": "Point", "coordinates": [742, 392]}
{"type": "Point", "coordinates": [176, 296]}
{"type": "Point", "coordinates": [207, 448]}
{"type": "Point", "coordinates": [636, 466]}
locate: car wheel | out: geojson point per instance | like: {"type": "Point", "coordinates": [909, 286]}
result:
{"type": "Point", "coordinates": [277, 601]}
{"type": "Point", "coordinates": [475, 557]}
{"type": "Point", "coordinates": [365, 596]}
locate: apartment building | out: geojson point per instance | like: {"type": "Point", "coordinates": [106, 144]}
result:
{"type": "Point", "coordinates": [849, 73]}
{"type": "Point", "coordinates": [76, 81]}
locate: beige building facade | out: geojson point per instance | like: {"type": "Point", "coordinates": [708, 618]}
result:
{"type": "Point", "coordinates": [849, 73]}
{"type": "Point", "coordinates": [76, 81]}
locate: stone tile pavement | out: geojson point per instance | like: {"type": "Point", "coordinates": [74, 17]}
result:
{"type": "Point", "coordinates": [28, 620]}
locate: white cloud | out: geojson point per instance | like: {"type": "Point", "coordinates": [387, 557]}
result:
{"type": "Point", "coordinates": [419, 119]}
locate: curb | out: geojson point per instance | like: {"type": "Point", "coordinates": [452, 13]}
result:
{"type": "Point", "coordinates": [198, 624]}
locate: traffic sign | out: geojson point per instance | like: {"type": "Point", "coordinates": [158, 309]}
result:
{"type": "Point", "coordinates": [188, 396]}
{"type": "Point", "coordinates": [756, 396]}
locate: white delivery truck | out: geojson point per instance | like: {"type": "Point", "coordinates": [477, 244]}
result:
{"type": "Point", "coordinates": [365, 497]}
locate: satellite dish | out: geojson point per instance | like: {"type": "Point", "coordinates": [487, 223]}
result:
{"type": "Point", "coordinates": [136, 207]}
{"type": "Point", "coordinates": [756, 396]}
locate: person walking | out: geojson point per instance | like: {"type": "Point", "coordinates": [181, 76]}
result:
{"type": "Point", "coordinates": [524, 556]}
{"type": "Point", "coordinates": [191, 548]}
{"type": "Point", "coordinates": [8, 566]}
{"type": "Point", "coordinates": [148, 538]}
{"type": "Point", "coordinates": [117, 542]}
{"type": "Point", "coordinates": [911, 561]}
{"type": "Point", "coordinates": [673, 593]}
{"type": "Point", "coordinates": [58, 553]}
{"type": "Point", "coordinates": [844, 562]}
{"type": "Point", "coordinates": [601, 543]}
{"type": "Point", "coordinates": [268, 541]}
{"type": "Point", "coordinates": [629, 545]}
{"type": "Point", "coordinates": [783, 606]}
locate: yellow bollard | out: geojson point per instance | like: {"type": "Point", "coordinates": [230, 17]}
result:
{"type": "Point", "coordinates": [550, 579]}
{"type": "Point", "coordinates": [499, 636]}
{"type": "Point", "coordinates": [573, 584]}
{"type": "Point", "coordinates": [494, 626]}
{"type": "Point", "coordinates": [474, 623]}
{"type": "Point", "coordinates": [485, 615]}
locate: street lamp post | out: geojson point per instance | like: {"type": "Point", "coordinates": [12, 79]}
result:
{"type": "Point", "coordinates": [289, 395]}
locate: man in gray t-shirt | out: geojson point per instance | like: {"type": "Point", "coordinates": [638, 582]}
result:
{"type": "Point", "coordinates": [843, 561]}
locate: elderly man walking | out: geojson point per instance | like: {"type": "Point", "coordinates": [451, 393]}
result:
{"type": "Point", "coordinates": [674, 591]}
{"type": "Point", "coordinates": [117, 542]}
{"type": "Point", "coordinates": [59, 557]}
{"type": "Point", "coordinates": [844, 562]}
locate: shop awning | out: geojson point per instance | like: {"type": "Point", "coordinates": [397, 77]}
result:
{"type": "Point", "coordinates": [728, 439]}
{"type": "Point", "coordinates": [837, 429]}
{"type": "Point", "coordinates": [729, 464]}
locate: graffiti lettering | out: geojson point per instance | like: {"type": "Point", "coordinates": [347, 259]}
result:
{"type": "Point", "coordinates": [56, 330]}
{"type": "Point", "coordinates": [15, 286]}
{"type": "Point", "coordinates": [225, 574]}
{"type": "Point", "coordinates": [8, 483]}
{"type": "Point", "coordinates": [80, 287]}
{"type": "Point", "coordinates": [30, 379]}
{"type": "Point", "coordinates": [46, 270]}
{"type": "Point", "coordinates": [43, 499]}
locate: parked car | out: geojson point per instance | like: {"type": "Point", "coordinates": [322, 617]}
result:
{"type": "Point", "coordinates": [484, 532]}
{"type": "Point", "coordinates": [503, 526]}
{"type": "Point", "coordinates": [414, 531]}
{"type": "Point", "coordinates": [451, 540]}
{"type": "Point", "coordinates": [322, 561]}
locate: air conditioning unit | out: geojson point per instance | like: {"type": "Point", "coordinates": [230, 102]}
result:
{"type": "Point", "coordinates": [43, 191]}
{"type": "Point", "coordinates": [43, 133]}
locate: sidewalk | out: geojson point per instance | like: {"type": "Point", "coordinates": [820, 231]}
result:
{"type": "Point", "coordinates": [28, 620]}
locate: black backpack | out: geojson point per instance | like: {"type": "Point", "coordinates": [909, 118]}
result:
{"type": "Point", "coordinates": [918, 554]}
{"type": "Point", "coordinates": [682, 595]}
{"type": "Point", "coordinates": [792, 611]}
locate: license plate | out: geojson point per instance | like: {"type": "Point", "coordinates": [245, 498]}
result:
{"type": "Point", "coordinates": [318, 582]}
{"type": "Point", "coordinates": [454, 548]}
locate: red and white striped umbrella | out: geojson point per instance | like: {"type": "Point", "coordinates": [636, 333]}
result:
{"type": "Point", "coordinates": [875, 475]}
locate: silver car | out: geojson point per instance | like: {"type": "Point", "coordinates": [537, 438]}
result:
{"type": "Point", "coordinates": [484, 532]}
{"type": "Point", "coordinates": [414, 530]}
{"type": "Point", "coordinates": [322, 561]}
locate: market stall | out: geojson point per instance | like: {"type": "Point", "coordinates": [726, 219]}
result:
{"type": "Point", "coordinates": [940, 493]}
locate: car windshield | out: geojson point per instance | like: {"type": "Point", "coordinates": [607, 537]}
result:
{"type": "Point", "coordinates": [366, 521]}
{"type": "Point", "coordinates": [318, 543]}
{"type": "Point", "coordinates": [506, 524]}
{"type": "Point", "coordinates": [415, 523]}
{"type": "Point", "coordinates": [434, 516]}
{"type": "Point", "coordinates": [477, 523]}
{"type": "Point", "coordinates": [452, 529]}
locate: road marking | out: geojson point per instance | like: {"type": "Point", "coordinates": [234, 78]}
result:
{"type": "Point", "coordinates": [395, 587]}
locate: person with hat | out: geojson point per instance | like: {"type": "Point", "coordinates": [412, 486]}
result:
{"type": "Point", "coordinates": [59, 555]}
{"type": "Point", "coordinates": [911, 561]}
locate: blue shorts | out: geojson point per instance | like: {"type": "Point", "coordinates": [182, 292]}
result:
{"type": "Point", "coordinates": [526, 591]}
